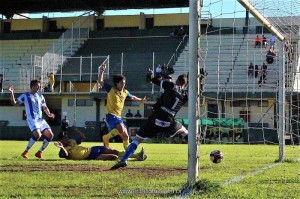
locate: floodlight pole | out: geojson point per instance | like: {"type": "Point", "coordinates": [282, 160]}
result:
{"type": "Point", "coordinates": [194, 16]}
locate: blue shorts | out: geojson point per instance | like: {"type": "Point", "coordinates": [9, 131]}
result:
{"type": "Point", "coordinates": [95, 152]}
{"type": "Point", "coordinates": [112, 121]}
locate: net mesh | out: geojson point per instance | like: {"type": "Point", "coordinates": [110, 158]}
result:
{"type": "Point", "coordinates": [233, 91]}
{"type": "Point", "coordinates": [284, 15]}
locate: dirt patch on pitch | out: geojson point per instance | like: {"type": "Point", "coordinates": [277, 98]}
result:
{"type": "Point", "coordinates": [86, 168]}
{"type": "Point", "coordinates": [151, 171]}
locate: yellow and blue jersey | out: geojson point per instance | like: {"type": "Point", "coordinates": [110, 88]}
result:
{"type": "Point", "coordinates": [115, 100]}
{"type": "Point", "coordinates": [75, 151]}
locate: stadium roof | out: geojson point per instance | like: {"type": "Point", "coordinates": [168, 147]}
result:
{"type": "Point", "coordinates": [10, 7]}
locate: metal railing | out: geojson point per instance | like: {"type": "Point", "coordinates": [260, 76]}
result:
{"type": "Point", "coordinates": [175, 55]}
{"type": "Point", "coordinates": [68, 43]}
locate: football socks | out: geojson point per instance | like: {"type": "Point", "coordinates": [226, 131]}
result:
{"type": "Point", "coordinates": [130, 150]}
{"type": "Point", "coordinates": [30, 143]}
{"type": "Point", "coordinates": [125, 144]}
{"type": "Point", "coordinates": [45, 144]}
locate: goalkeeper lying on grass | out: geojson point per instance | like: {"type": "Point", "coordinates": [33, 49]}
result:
{"type": "Point", "coordinates": [71, 149]}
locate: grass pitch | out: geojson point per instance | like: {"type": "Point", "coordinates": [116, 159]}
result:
{"type": "Point", "coordinates": [247, 171]}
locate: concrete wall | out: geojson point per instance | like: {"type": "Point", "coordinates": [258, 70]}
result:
{"type": "Point", "coordinates": [135, 21]}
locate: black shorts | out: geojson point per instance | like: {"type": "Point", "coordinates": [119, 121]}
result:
{"type": "Point", "coordinates": [154, 125]}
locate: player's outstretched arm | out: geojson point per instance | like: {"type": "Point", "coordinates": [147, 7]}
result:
{"type": "Point", "coordinates": [60, 145]}
{"type": "Point", "coordinates": [12, 96]}
{"type": "Point", "coordinates": [100, 77]}
{"type": "Point", "coordinates": [135, 98]}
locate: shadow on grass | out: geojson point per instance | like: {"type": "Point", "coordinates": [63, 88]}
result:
{"type": "Point", "coordinates": [200, 187]}
{"type": "Point", "coordinates": [287, 160]}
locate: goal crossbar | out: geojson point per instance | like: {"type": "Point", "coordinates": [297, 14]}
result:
{"type": "Point", "coordinates": [246, 4]}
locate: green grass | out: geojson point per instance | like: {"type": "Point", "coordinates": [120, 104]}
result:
{"type": "Point", "coordinates": [162, 175]}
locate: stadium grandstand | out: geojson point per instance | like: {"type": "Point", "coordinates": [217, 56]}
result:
{"type": "Point", "coordinates": [74, 47]}
{"type": "Point", "coordinates": [244, 76]}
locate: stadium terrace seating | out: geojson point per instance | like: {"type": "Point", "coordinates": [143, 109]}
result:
{"type": "Point", "coordinates": [229, 71]}
{"type": "Point", "coordinates": [137, 58]}
{"type": "Point", "coordinates": [156, 31]}
{"type": "Point", "coordinates": [17, 59]}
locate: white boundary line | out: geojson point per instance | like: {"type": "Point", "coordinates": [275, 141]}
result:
{"type": "Point", "coordinates": [241, 177]}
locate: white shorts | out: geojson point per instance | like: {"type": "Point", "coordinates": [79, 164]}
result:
{"type": "Point", "coordinates": [40, 125]}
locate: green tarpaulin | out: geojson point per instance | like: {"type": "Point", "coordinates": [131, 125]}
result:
{"type": "Point", "coordinates": [223, 122]}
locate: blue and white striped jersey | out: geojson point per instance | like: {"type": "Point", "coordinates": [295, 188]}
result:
{"type": "Point", "coordinates": [33, 105]}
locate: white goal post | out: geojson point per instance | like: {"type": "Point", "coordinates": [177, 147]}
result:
{"type": "Point", "coordinates": [278, 18]}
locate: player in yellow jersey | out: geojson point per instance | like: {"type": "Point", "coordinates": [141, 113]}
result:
{"type": "Point", "coordinates": [116, 96]}
{"type": "Point", "coordinates": [72, 150]}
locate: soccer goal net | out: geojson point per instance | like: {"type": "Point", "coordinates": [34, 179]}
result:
{"type": "Point", "coordinates": [249, 78]}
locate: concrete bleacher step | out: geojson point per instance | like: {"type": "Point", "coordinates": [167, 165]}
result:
{"type": "Point", "coordinates": [136, 58]}
{"type": "Point", "coordinates": [17, 56]}
{"type": "Point", "coordinates": [226, 61]}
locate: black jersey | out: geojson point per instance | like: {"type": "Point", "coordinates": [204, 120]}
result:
{"type": "Point", "coordinates": [171, 100]}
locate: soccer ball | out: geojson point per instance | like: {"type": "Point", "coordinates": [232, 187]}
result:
{"type": "Point", "coordinates": [216, 156]}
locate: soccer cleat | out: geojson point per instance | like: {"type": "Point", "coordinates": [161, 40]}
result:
{"type": "Point", "coordinates": [142, 155]}
{"type": "Point", "coordinates": [25, 155]}
{"type": "Point", "coordinates": [119, 165]}
{"type": "Point", "coordinates": [39, 155]}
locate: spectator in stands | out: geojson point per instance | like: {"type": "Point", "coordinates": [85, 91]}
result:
{"type": "Point", "coordinates": [174, 33]}
{"type": "Point", "coordinates": [64, 124]}
{"type": "Point", "coordinates": [262, 79]}
{"type": "Point", "coordinates": [270, 56]}
{"type": "Point", "coordinates": [116, 96]}
{"type": "Point", "coordinates": [149, 75]}
{"type": "Point", "coordinates": [1, 84]}
{"type": "Point", "coordinates": [164, 70]}
{"type": "Point", "coordinates": [181, 32]}
{"type": "Point", "coordinates": [272, 42]}
{"type": "Point", "coordinates": [256, 71]}
{"type": "Point", "coordinates": [129, 114]}
{"type": "Point", "coordinates": [257, 41]}
{"type": "Point", "coordinates": [264, 68]}
{"type": "Point", "coordinates": [138, 114]}
{"type": "Point", "coordinates": [51, 81]}
{"type": "Point", "coordinates": [34, 104]}
{"type": "Point", "coordinates": [263, 76]}
{"type": "Point", "coordinates": [250, 69]}
{"type": "Point", "coordinates": [264, 41]}
{"type": "Point", "coordinates": [158, 70]}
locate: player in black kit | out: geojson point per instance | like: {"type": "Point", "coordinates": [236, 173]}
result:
{"type": "Point", "coordinates": [162, 118]}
